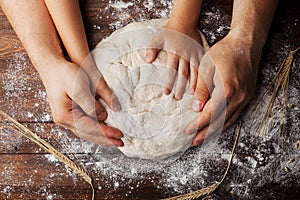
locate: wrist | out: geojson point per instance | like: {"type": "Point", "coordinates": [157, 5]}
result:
{"type": "Point", "coordinates": [51, 65]}
{"type": "Point", "coordinates": [185, 14]}
{"type": "Point", "coordinates": [246, 46]}
{"type": "Point", "coordinates": [189, 31]}
{"type": "Point", "coordinates": [181, 26]}
{"type": "Point", "coordinates": [251, 34]}
{"type": "Point", "coordinates": [248, 39]}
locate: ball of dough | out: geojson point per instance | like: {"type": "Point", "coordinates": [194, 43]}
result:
{"type": "Point", "coordinates": [153, 123]}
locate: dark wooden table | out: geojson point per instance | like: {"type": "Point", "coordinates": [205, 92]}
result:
{"type": "Point", "coordinates": [261, 169]}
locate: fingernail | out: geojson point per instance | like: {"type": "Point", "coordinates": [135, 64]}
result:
{"type": "Point", "coordinates": [189, 131]}
{"type": "Point", "coordinates": [177, 97]}
{"type": "Point", "coordinates": [197, 105]}
{"type": "Point", "coordinates": [148, 58]}
{"type": "Point", "coordinates": [116, 104]}
{"type": "Point", "coordinates": [191, 91]}
{"type": "Point", "coordinates": [102, 115]}
{"type": "Point", "coordinates": [167, 91]}
{"type": "Point", "coordinates": [117, 143]}
{"type": "Point", "coordinates": [199, 142]}
{"type": "Point", "coordinates": [118, 135]}
{"type": "Point", "coordinates": [121, 145]}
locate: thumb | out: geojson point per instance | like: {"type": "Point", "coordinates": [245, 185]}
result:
{"type": "Point", "coordinates": [153, 49]}
{"type": "Point", "coordinates": [204, 83]}
{"type": "Point", "coordinates": [87, 102]}
{"type": "Point", "coordinates": [151, 54]}
{"type": "Point", "coordinates": [107, 95]}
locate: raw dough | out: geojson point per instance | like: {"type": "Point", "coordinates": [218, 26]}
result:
{"type": "Point", "coordinates": [153, 123]}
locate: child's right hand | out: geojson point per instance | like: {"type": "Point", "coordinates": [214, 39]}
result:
{"type": "Point", "coordinates": [74, 106]}
{"type": "Point", "coordinates": [184, 52]}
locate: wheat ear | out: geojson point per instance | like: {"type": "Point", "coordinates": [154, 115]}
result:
{"type": "Point", "coordinates": [47, 147]}
{"type": "Point", "coordinates": [281, 81]}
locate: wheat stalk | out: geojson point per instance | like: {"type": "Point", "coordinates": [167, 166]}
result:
{"type": "Point", "coordinates": [282, 78]}
{"type": "Point", "coordinates": [204, 192]}
{"type": "Point", "coordinates": [281, 81]}
{"type": "Point", "coordinates": [47, 147]}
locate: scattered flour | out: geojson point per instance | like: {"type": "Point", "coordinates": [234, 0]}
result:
{"type": "Point", "coordinates": [122, 13]}
{"type": "Point", "coordinates": [252, 166]}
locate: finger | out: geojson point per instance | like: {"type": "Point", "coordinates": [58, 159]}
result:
{"type": "Point", "coordinates": [151, 54]}
{"type": "Point", "coordinates": [182, 77]}
{"type": "Point", "coordinates": [107, 95]}
{"type": "Point", "coordinates": [83, 98]}
{"type": "Point", "coordinates": [88, 129]}
{"type": "Point", "coordinates": [218, 125]}
{"type": "Point", "coordinates": [212, 128]}
{"type": "Point", "coordinates": [212, 110]}
{"type": "Point", "coordinates": [153, 49]}
{"type": "Point", "coordinates": [83, 123]}
{"type": "Point", "coordinates": [192, 79]}
{"type": "Point", "coordinates": [201, 94]}
{"type": "Point", "coordinates": [99, 86]}
{"type": "Point", "coordinates": [204, 83]}
{"type": "Point", "coordinates": [110, 132]}
{"type": "Point", "coordinates": [172, 65]}
{"type": "Point", "coordinates": [201, 120]}
{"type": "Point", "coordinates": [233, 117]}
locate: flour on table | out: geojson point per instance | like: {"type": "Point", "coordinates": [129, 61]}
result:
{"type": "Point", "coordinates": [153, 123]}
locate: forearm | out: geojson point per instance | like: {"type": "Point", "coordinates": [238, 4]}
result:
{"type": "Point", "coordinates": [251, 20]}
{"type": "Point", "coordinates": [185, 14]}
{"type": "Point", "coordinates": [68, 21]}
{"type": "Point", "coordinates": [32, 23]}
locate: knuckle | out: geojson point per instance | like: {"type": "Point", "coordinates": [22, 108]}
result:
{"type": "Point", "coordinates": [184, 71]}
{"type": "Point", "coordinates": [243, 96]}
{"type": "Point", "coordinates": [206, 117]}
{"type": "Point", "coordinates": [202, 94]}
{"type": "Point", "coordinates": [171, 73]}
{"type": "Point", "coordinates": [203, 71]}
{"type": "Point", "coordinates": [172, 57]}
{"type": "Point", "coordinates": [155, 44]}
{"type": "Point", "coordinates": [193, 68]}
{"type": "Point", "coordinates": [229, 92]}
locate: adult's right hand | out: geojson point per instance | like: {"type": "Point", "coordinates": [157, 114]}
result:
{"type": "Point", "coordinates": [74, 106]}
{"type": "Point", "coordinates": [227, 78]}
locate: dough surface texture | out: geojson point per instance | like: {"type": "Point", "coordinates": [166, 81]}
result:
{"type": "Point", "coordinates": [153, 123]}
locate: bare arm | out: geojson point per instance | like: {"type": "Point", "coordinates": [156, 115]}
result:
{"type": "Point", "coordinates": [32, 20]}
{"type": "Point", "coordinates": [67, 18]}
{"type": "Point", "coordinates": [251, 20]}
{"type": "Point", "coordinates": [185, 15]}
{"type": "Point", "coordinates": [68, 87]}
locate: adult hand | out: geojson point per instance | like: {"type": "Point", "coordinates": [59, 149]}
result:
{"type": "Point", "coordinates": [74, 106]}
{"type": "Point", "coordinates": [184, 53]}
{"type": "Point", "coordinates": [227, 77]}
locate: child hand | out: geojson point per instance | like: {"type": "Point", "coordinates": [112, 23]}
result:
{"type": "Point", "coordinates": [229, 71]}
{"type": "Point", "coordinates": [184, 53]}
{"type": "Point", "coordinates": [74, 106]}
